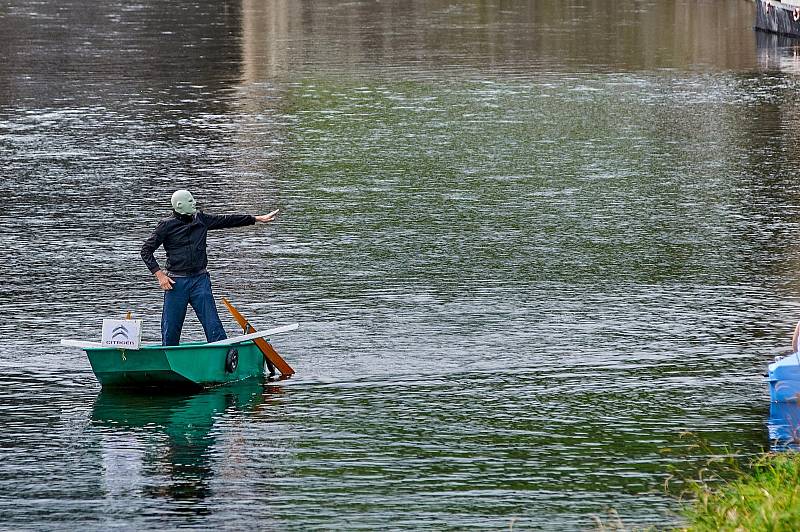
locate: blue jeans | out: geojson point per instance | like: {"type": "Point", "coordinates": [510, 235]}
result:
{"type": "Point", "coordinates": [194, 290]}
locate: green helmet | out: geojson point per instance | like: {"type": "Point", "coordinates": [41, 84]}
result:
{"type": "Point", "coordinates": [183, 202]}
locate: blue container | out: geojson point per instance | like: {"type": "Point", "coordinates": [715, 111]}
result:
{"type": "Point", "coordinates": [784, 379]}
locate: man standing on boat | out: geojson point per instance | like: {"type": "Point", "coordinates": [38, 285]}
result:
{"type": "Point", "coordinates": [186, 280]}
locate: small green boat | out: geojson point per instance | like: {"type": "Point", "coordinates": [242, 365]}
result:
{"type": "Point", "coordinates": [189, 365]}
{"type": "Point", "coordinates": [185, 365]}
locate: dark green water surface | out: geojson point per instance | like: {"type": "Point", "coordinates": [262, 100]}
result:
{"type": "Point", "coordinates": [531, 245]}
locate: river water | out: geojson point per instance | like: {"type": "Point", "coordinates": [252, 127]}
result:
{"type": "Point", "coordinates": [540, 251]}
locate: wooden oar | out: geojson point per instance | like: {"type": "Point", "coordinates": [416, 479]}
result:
{"type": "Point", "coordinates": [270, 354]}
{"type": "Point", "coordinates": [270, 366]}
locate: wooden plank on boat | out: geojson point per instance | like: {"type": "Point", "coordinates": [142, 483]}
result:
{"type": "Point", "coordinates": [255, 335]}
{"type": "Point", "coordinates": [79, 343]}
{"type": "Point", "coordinates": [228, 341]}
{"type": "Point", "coordinates": [269, 352]}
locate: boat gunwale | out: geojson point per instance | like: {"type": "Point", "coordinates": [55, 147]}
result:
{"type": "Point", "coordinates": [159, 347]}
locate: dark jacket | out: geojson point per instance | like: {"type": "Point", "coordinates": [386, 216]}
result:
{"type": "Point", "coordinates": [184, 240]}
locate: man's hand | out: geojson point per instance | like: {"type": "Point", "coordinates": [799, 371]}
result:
{"type": "Point", "coordinates": [264, 218]}
{"type": "Point", "coordinates": [164, 281]}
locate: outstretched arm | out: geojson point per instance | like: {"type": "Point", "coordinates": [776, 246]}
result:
{"type": "Point", "coordinates": [795, 337]}
{"type": "Point", "coordinates": [224, 221]}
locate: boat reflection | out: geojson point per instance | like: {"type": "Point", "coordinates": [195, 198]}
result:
{"type": "Point", "coordinates": [784, 426]}
{"type": "Point", "coordinates": [166, 445]}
